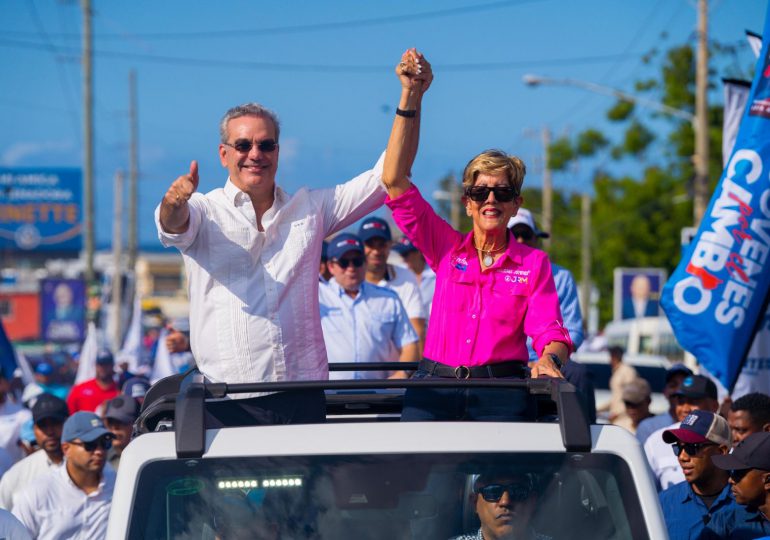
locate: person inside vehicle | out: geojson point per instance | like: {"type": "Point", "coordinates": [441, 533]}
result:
{"type": "Point", "coordinates": [749, 468]}
{"type": "Point", "coordinates": [749, 414]}
{"type": "Point", "coordinates": [505, 502]}
{"type": "Point", "coordinates": [491, 292]}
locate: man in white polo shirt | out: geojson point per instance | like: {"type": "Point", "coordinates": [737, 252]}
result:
{"type": "Point", "coordinates": [72, 501]}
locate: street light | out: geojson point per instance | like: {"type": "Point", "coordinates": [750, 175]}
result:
{"type": "Point", "coordinates": [536, 80]}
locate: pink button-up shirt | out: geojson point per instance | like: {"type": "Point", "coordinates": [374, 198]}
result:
{"type": "Point", "coordinates": [480, 317]}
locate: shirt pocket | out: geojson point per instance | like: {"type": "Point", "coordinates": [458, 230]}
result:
{"type": "Point", "coordinates": [297, 236]}
{"type": "Point", "coordinates": [508, 299]}
{"type": "Point", "coordinates": [382, 325]}
{"type": "Point", "coordinates": [459, 291]}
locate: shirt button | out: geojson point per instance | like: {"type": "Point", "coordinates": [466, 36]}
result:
{"type": "Point", "coordinates": [467, 341]}
{"type": "Point", "coordinates": [473, 316]}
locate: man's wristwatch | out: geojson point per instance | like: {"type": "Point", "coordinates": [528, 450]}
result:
{"type": "Point", "coordinates": [556, 360]}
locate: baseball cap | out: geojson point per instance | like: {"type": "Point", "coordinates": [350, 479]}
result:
{"type": "Point", "coordinates": [637, 391]}
{"type": "Point", "coordinates": [85, 426]}
{"type": "Point", "coordinates": [700, 427]}
{"type": "Point", "coordinates": [374, 227]}
{"type": "Point", "coordinates": [103, 356]}
{"type": "Point", "coordinates": [324, 251]}
{"type": "Point", "coordinates": [753, 452]}
{"type": "Point", "coordinates": [342, 243]}
{"type": "Point", "coordinates": [524, 217]}
{"type": "Point", "coordinates": [676, 369]}
{"type": "Point", "coordinates": [697, 387]}
{"type": "Point", "coordinates": [403, 246]}
{"type": "Point", "coordinates": [122, 408]}
{"type": "Point", "coordinates": [136, 387]}
{"type": "Point", "coordinates": [43, 368]}
{"type": "Point", "coordinates": [49, 406]}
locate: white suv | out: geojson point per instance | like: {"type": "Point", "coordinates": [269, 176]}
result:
{"type": "Point", "coordinates": [363, 476]}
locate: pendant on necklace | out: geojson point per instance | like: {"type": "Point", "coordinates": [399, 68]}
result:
{"type": "Point", "coordinates": [488, 260]}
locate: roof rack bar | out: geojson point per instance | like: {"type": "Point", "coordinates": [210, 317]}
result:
{"type": "Point", "coordinates": [190, 416]}
{"type": "Point", "coordinates": [373, 366]}
{"type": "Point", "coordinates": [573, 416]}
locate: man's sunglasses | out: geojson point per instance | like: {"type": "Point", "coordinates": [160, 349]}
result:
{"type": "Point", "coordinates": [516, 492]}
{"type": "Point", "coordinates": [481, 193]}
{"type": "Point", "coordinates": [738, 474]}
{"type": "Point", "coordinates": [692, 449]}
{"type": "Point", "coordinates": [357, 262]}
{"type": "Point", "coordinates": [244, 146]}
{"type": "Point", "coordinates": [105, 443]}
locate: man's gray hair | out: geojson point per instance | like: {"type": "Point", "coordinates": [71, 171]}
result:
{"type": "Point", "coordinates": [248, 109]}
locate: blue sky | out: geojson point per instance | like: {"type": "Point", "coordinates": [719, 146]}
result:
{"type": "Point", "coordinates": [326, 68]}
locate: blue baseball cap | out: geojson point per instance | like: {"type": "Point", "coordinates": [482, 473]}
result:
{"type": "Point", "coordinates": [403, 246]}
{"type": "Point", "coordinates": [43, 368]}
{"type": "Point", "coordinates": [85, 426]}
{"type": "Point", "coordinates": [676, 369]}
{"type": "Point", "coordinates": [325, 251]}
{"type": "Point", "coordinates": [374, 227]}
{"type": "Point", "coordinates": [104, 356]}
{"type": "Point", "coordinates": [342, 243]}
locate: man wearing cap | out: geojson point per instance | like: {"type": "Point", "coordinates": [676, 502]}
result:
{"type": "Point", "coordinates": [251, 252]}
{"type": "Point", "coordinates": [48, 415]}
{"type": "Point", "coordinates": [749, 468]}
{"type": "Point", "coordinates": [674, 377]}
{"type": "Point", "coordinates": [120, 413]}
{"type": "Point", "coordinates": [698, 507]}
{"type": "Point", "coordinates": [415, 261]}
{"type": "Point", "coordinates": [88, 395]}
{"type": "Point", "coordinates": [749, 414]}
{"type": "Point", "coordinates": [375, 233]}
{"type": "Point", "coordinates": [362, 322]}
{"type": "Point", "coordinates": [72, 501]}
{"type": "Point", "coordinates": [697, 393]}
{"type": "Point", "coordinates": [136, 387]}
{"type": "Point", "coordinates": [636, 398]}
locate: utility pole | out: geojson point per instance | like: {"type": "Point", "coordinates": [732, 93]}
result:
{"type": "Point", "coordinates": [88, 145]}
{"type": "Point", "coordinates": [547, 221]}
{"type": "Point", "coordinates": [701, 181]}
{"type": "Point", "coordinates": [117, 255]}
{"type": "Point", "coordinates": [585, 254]}
{"type": "Point", "coordinates": [133, 173]}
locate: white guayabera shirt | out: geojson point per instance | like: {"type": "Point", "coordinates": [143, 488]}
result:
{"type": "Point", "coordinates": [254, 313]}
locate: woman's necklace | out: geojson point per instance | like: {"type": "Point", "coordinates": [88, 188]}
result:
{"type": "Point", "coordinates": [486, 255]}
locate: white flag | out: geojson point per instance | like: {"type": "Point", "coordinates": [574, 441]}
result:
{"type": "Point", "coordinates": [87, 360]}
{"type": "Point", "coordinates": [162, 367]}
{"type": "Point", "coordinates": [132, 344]}
{"type": "Point", "coordinates": [736, 96]}
{"type": "Point", "coordinates": [755, 42]}
{"type": "Point", "coordinates": [27, 375]}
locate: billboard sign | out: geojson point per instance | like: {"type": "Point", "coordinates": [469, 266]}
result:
{"type": "Point", "coordinates": [63, 310]}
{"type": "Point", "coordinates": [637, 292]}
{"type": "Point", "coordinates": [40, 209]}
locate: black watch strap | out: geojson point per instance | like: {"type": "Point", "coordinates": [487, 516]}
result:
{"type": "Point", "coordinates": [556, 360]}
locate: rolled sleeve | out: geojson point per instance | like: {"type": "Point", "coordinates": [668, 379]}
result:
{"type": "Point", "coordinates": [543, 322]}
{"type": "Point", "coordinates": [182, 240]}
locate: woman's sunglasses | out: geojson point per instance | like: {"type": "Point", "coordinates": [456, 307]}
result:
{"type": "Point", "coordinates": [244, 146]}
{"type": "Point", "coordinates": [481, 193]}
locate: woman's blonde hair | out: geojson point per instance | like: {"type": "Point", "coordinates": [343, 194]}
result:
{"type": "Point", "coordinates": [494, 162]}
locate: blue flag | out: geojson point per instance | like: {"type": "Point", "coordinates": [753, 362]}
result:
{"type": "Point", "coordinates": [7, 355]}
{"type": "Point", "coordinates": [716, 295]}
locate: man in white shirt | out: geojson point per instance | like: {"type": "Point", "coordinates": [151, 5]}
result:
{"type": "Point", "coordinates": [12, 418]}
{"type": "Point", "coordinates": [697, 393]}
{"type": "Point", "coordinates": [72, 501]}
{"type": "Point", "coordinates": [377, 239]}
{"type": "Point", "coordinates": [362, 322]}
{"type": "Point", "coordinates": [251, 253]}
{"type": "Point", "coordinates": [48, 414]}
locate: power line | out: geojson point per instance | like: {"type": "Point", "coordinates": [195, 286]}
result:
{"type": "Point", "coordinates": [315, 27]}
{"type": "Point", "coordinates": [330, 68]}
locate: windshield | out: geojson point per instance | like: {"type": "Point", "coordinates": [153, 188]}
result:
{"type": "Point", "coordinates": [424, 496]}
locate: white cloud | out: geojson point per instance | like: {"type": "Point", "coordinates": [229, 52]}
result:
{"type": "Point", "coordinates": [21, 153]}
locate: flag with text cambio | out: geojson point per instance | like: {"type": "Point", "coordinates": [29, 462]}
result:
{"type": "Point", "coordinates": [716, 295]}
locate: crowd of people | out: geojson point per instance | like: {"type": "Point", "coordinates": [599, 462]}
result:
{"type": "Point", "coordinates": [487, 303]}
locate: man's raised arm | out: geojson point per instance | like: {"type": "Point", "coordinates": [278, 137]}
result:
{"type": "Point", "coordinates": [174, 212]}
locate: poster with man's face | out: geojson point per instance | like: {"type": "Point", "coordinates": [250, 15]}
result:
{"type": "Point", "coordinates": [63, 313]}
{"type": "Point", "coordinates": [637, 292]}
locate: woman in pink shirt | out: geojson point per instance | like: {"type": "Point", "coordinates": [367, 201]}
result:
{"type": "Point", "coordinates": [491, 292]}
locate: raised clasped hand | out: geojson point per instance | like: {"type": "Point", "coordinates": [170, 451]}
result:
{"type": "Point", "coordinates": [414, 71]}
